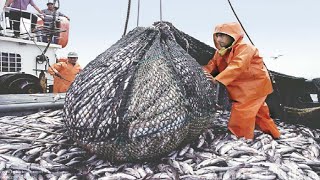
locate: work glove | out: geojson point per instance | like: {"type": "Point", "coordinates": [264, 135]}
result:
{"type": "Point", "coordinates": [210, 77]}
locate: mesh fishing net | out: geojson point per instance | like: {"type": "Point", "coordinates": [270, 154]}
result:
{"type": "Point", "coordinates": [143, 97]}
{"type": "Point", "coordinates": [316, 82]}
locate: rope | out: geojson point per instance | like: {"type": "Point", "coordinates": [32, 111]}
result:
{"type": "Point", "coordinates": [161, 10]}
{"type": "Point", "coordinates": [235, 14]}
{"type": "Point", "coordinates": [53, 27]}
{"type": "Point", "coordinates": [43, 52]}
{"type": "Point", "coordinates": [127, 19]}
{"type": "Point", "coordinates": [138, 13]}
{"type": "Point", "coordinates": [271, 76]}
{"type": "Point", "coordinates": [187, 44]}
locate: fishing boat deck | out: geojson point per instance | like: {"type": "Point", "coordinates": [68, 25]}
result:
{"type": "Point", "coordinates": [11, 104]}
{"type": "Point", "coordinates": [37, 146]}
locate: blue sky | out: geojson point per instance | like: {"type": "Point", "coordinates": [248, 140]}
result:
{"type": "Point", "coordinates": [287, 27]}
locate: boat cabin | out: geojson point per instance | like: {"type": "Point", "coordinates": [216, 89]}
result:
{"type": "Point", "coordinates": [25, 59]}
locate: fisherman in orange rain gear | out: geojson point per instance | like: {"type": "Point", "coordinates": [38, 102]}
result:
{"type": "Point", "coordinates": [64, 73]}
{"type": "Point", "coordinates": [239, 67]}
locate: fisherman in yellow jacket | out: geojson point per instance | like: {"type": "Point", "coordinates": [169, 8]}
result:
{"type": "Point", "coordinates": [239, 67]}
{"type": "Point", "coordinates": [64, 73]}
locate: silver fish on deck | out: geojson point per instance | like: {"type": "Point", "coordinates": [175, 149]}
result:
{"type": "Point", "coordinates": [215, 159]}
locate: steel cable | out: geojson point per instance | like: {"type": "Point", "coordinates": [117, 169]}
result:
{"type": "Point", "coordinates": [138, 16]}
{"type": "Point", "coordinates": [270, 74]}
{"type": "Point", "coordinates": [127, 19]}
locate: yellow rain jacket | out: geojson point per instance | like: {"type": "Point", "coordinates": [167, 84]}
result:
{"type": "Point", "coordinates": [68, 71]}
{"type": "Point", "coordinates": [240, 68]}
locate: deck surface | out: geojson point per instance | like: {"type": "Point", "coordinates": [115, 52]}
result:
{"type": "Point", "coordinates": [31, 98]}
{"type": "Point", "coordinates": [14, 104]}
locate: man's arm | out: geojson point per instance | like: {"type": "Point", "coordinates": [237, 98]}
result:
{"type": "Point", "coordinates": [35, 7]}
{"type": "Point", "coordinates": [8, 3]}
{"type": "Point", "coordinates": [61, 14]}
{"type": "Point", "coordinates": [211, 67]}
{"type": "Point", "coordinates": [238, 64]}
{"type": "Point", "coordinates": [54, 69]}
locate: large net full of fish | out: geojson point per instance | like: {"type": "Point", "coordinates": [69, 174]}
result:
{"type": "Point", "coordinates": [141, 98]}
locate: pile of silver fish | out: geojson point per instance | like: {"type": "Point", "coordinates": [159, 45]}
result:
{"type": "Point", "coordinates": [36, 146]}
{"type": "Point", "coordinates": [141, 98]}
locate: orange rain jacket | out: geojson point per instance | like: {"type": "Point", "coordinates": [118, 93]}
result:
{"type": "Point", "coordinates": [67, 71]}
{"type": "Point", "coordinates": [242, 71]}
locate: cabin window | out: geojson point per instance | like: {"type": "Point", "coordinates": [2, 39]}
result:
{"type": "Point", "coordinates": [315, 97]}
{"type": "Point", "coordinates": [10, 62]}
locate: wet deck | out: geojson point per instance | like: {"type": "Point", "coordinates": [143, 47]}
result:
{"type": "Point", "coordinates": [15, 104]}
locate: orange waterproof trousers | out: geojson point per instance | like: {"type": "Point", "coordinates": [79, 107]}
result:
{"type": "Point", "coordinates": [245, 116]}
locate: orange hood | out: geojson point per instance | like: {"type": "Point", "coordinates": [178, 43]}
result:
{"type": "Point", "coordinates": [232, 29]}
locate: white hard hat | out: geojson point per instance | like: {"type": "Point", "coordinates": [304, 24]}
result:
{"type": "Point", "coordinates": [50, 2]}
{"type": "Point", "coordinates": [72, 54]}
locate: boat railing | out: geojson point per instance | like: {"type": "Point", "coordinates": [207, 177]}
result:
{"type": "Point", "coordinates": [39, 33]}
{"type": "Point", "coordinates": [46, 29]}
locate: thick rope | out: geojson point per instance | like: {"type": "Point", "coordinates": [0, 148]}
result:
{"type": "Point", "coordinates": [138, 16]}
{"type": "Point", "coordinates": [161, 10]}
{"type": "Point", "coordinates": [127, 19]}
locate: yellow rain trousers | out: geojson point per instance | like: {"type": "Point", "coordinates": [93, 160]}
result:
{"type": "Point", "coordinates": [242, 71]}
